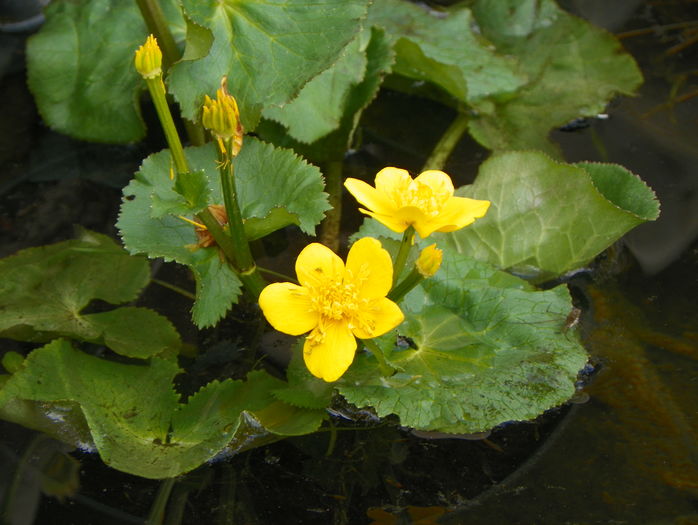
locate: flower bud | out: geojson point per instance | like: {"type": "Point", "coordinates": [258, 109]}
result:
{"type": "Point", "coordinates": [222, 117]}
{"type": "Point", "coordinates": [148, 59]}
{"type": "Point", "coordinates": [429, 261]}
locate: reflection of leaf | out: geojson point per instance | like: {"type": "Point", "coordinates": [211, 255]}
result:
{"type": "Point", "coordinates": [445, 49]}
{"type": "Point", "coordinates": [298, 192]}
{"type": "Point", "coordinates": [489, 348]}
{"type": "Point", "coordinates": [547, 217]}
{"type": "Point", "coordinates": [44, 291]}
{"type": "Point", "coordinates": [573, 67]}
{"type": "Point", "coordinates": [134, 415]}
{"type": "Point", "coordinates": [269, 50]}
{"type": "Point", "coordinates": [80, 68]}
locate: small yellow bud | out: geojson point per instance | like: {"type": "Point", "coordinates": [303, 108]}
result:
{"type": "Point", "coordinates": [148, 58]}
{"type": "Point", "coordinates": [222, 117]}
{"type": "Point", "coordinates": [429, 261]}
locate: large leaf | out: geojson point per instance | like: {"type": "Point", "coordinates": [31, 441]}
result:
{"type": "Point", "coordinates": [44, 291]}
{"type": "Point", "coordinates": [147, 226]}
{"type": "Point", "coordinates": [548, 217]}
{"type": "Point", "coordinates": [80, 68]}
{"type": "Point", "coordinates": [573, 67]}
{"type": "Point", "coordinates": [445, 49]}
{"type": "Point", "coordinates": [268, 50]}
{"type": "Point", "coordinates": [134, 415]}
{"type": "Point", "coordinates": [485, 348]}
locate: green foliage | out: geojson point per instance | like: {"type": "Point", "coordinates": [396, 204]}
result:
{"type": "Point", "coordinates": [547, 217]}
{"type": "Point", "coordinates": [487, 348]}
{"type": "Point", "coordinates": [135, 417]}
{"type": "Point", "coordinates": [45, 290]}
{"type": "Point", "coordinates": [149, 224]}
{"type": "Point", "coordinates": [268, 50]}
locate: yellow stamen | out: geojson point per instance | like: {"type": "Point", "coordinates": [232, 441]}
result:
{"type": "Point", "coordinates": [197, 224]}
{"type": "Point", "coordinates": [148, 59]}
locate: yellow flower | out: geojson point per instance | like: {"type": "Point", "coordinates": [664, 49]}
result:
{"type": "Point", "coordinates": [429, 261]}
{"type": "Point", "coordinates": [335, 303]}
{"type": "Point", "coordinates": [222, 117]}
{"type": "Point", "coordinates": [148, 59]}
{"type": "Point", "coordinates": [427, 202]}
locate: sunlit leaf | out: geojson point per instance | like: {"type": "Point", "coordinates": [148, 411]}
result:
{"type": "Point", "coordinates": [484, 348]}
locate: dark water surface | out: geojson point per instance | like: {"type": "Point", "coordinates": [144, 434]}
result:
{"type": "Point", "coordinates": [627, 453]}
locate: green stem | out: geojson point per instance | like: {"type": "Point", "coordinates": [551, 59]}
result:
{"type": "Point", "coordinates": [157, 24]}
{"type": "Point", "coordinates": [157, 511]}
{"type": "Point", "coordinates": [242, 256]}
{"type": "Point", "coordinates": [174, 288]}
{"type": "Point", "coordinates": [277, 274]}
{"type": "Point", "coordinates": [157, 93]}
{"type": "Point", "coordinates": [409, 282]}
{"type": "Point", "coordinates": [329, 230]}
{"type": "Point", "coordinates": [447, 142]}
{"type": "Point", "coordinates": [386, 369]}
{"type": "Point", "coordinates": [401, 258]}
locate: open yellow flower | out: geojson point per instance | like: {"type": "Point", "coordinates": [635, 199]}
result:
{"type": "Point", "coordinates": [427, 202]}
{"type": "Point", "coordinates": [335, 303]}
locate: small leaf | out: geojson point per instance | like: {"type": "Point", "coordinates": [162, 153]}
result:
{"type": "Point", "coordinates": [548, 218]}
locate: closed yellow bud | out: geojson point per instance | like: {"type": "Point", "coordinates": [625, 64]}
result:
{"type": "Point", "coordinates": [222, 117]}
{"type": "Point", "coordinates": [429, 261]}
{"type": "Point", "coordinates": [148, 58]}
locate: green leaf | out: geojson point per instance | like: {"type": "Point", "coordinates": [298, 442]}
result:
{"type": "Point", "coordinates": [443, 48]}
{"type": "Point", "coordinates": [134, 415]}
{"type": "Point", "coordinates": [486, 348]}
{"type": "Point", "coordinates": [44, 291]}
{"type": "Point", "coordinates": [298, 191]}
{"type": "Point", "coordinates": [268, 50]}
{"type": "Point", "coordinates": [547, 217]}
{"type": "Point", "coordinates": [80, 68]}
{"type": "Point", "coordinates": [573, 67]}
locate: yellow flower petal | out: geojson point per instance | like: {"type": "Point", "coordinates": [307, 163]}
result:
{"type": "Point", "coordinates": [437, 180]}
{"type": "Point", "coordinates": [415, 217]}
{"type": "Point", "coordinates": [391, 221]}
{"type": "Point", "coordinates": [317, 265]}
{"type": "Point", "coordinates": [370, 268]}
{"type": "Point", "coordinates": [369, 196]}
{"type": "Point", "coordinates": [393, 182]}
{"type": "Point", "coordinates": [328, 354]}
{"type": "Point", "coordinates": [380, 317]}
{"type": "Point", "coordinates": [288, 308]}
{"type": "Point", "coordinates": [460, 212]}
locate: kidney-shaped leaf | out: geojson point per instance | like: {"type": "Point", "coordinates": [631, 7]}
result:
{"type": "Point", "coordinates": [548, 217]}
{"type": "Point", "coordinates": [484, 349]}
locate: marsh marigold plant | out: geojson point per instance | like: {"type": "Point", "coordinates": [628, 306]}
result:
{"type": "Point", "coordinates": [427, 202]}
{"type": "Point", "coordinates": [336, 303]}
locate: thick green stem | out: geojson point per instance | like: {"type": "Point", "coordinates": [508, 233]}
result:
{"type": "Point", "coordinates": [401, 258]}
{"type": "Point", "coordinates": [242, 256]}
{"type": "Point", "coordinates": [447, 142]}
{"type": "Point", "coordinates": [409, 282]}
{"type": "Point", "coordinates": [386, 369]}
{"type": "Point", "coordinates": [157, 93]}
{"type": "Point", "coordinates": [329, 230]}
{"type": "Point", "coordinates": [157, 511]}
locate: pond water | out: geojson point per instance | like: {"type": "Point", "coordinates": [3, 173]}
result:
{"type": "Point", "coordinates": [625, 452]}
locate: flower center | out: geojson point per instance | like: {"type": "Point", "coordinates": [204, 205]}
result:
{"type": "Point", "coordinates": [429, 200]}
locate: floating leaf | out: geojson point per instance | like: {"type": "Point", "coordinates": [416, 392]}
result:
{"type": "Point", "coordinates": [268, 50]}
{"type": "Point", "coordinates": [135, 417]}
{"type": "Point", "coordinates": [298, 193]}
{"type": "Point", "coordinates": [547, 217]}
{"type": "Point", "coordinates": [573, 67]}
{"type": "Point", "coordinates": [44, 291]}
{"type": "Point", "coordinates": [80, 68]}
{"type": "Point", "coordinates": [486, 348]}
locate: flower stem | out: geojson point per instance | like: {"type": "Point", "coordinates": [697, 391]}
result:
{"type": "Point", "coordinates": [329, 230]}
{"type": "Point", "coordinates": [157, 93]}
{"type": "Point", "coordinates": [174, 288]}
{"type": "Point", "coordinates": [447, 142]}
{"type": "Point", "coordinates": [386, 369]}
{"type": "Point", "coordinates": [409, 282]}
{"type": "Point", "coordinates": [403, 252]}
{"type": "Point", "coordinates": [242, 256]}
